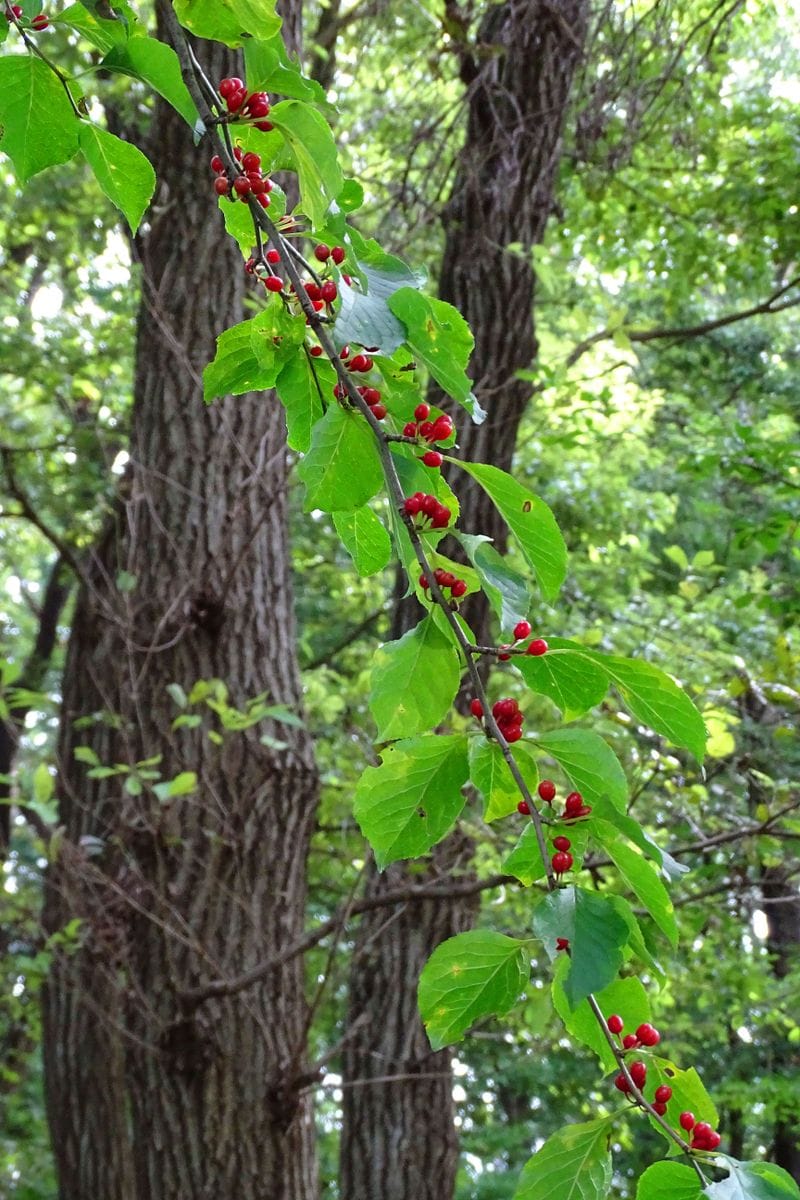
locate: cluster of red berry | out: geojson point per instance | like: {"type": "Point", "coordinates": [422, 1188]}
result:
{"type": "Point", "coordinates": [334, 253]}
{"type": "Point", "coordinates": [573, 805]}
{"type": "Point", "coordinates": [253, 107]}
{"type": "Point", "coordinates": [562, 859]}
{"type": "Point", "coordinates": [14, 11]}
{"type": "Point", "coordinates": [250, 181]}
{"type": "Point", "coordinates": [703, 1136]}
{"type": "Point", "coordinates": [429, 509]}
{"type": "Point", "coordinates": [429, 431]}
{"type": "Point", "coordinates": [509, 721]}
{"type": "Point", "coordinates": [446, 580]}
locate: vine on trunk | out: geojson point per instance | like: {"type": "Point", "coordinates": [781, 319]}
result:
{"type": "Point", "coordinates": [348, 339]}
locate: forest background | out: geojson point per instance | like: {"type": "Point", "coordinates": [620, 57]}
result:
{"type": "Point", "coordinates": [637, 352]}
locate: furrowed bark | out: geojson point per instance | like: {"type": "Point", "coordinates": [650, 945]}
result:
{"type": "Point", "coordinates": [398, 1139]}
{"type": "Point", "coordinates": [148, 1096]}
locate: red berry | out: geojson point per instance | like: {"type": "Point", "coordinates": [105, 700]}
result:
{"type": "Point", "coordinates": [315, 351]}
{"type": "Point", "coordinates": [573, 802]}
{"type": "Point", "coordinates": [562, 843]}
{"type": "Point", "coordinates": [547, 790]}
{"type": "Point", "coordinates": [16, 11]}
{"type": "Point", "coordinates": [621, 1082]}
{"type": "Point", "coordinates": [221, 185]}
{"type": "Point", "coordinates": [322, 252]}
{"type": "Point", "coordinates": [663, 1094]}
{"type": "Point", "coordinates": [378, 411]}
{"type": "Point", "coordinates": [476, 708]}
{"type": "Point", "coordinates": [659, 1107]}
{"type": "Point", "coordinates": [338, 256]}
{"type": "Point", "coordinates": [538, 646]}
{"type": "Point", "coordinates": [273, 256]}
{"type": "Point", "coordinates": [238, 153]}
{"type": "Point", "coordinates": [648, 1035]}
{"type": "Point", "coordinates": [251, 161]}
{"type": "Point", "coordinates": [371, 395]}
{"type": "Point", "coordinates": [273, 283]}
{"type": "Point", "coordinates": [264, 200]}
{"type": "Point", "coordinates": [235, 100]}
{"type": "Point", "coordinates": [562, 861]}
{"type": "Point", "coordinates": [629, 1041]}
{"type": "Point", "coordinates": [504, 710]}
{"type": "Point", "coordinates": [713, 1140]}
{"type": "Point", "coordinates": [433, 458]}
{"type": "Point", "coordinates": [425, 429]}
{"type": "Point", "coordinates": [258, 186]}
{"type": "Point", "coordinates": [521, 630]}
{"type": "Point", "coordinates": [231, 84]}
{"type": "Point", "coordinates": [638, 1073]}
{"type": "Point", "coordinates": [513, 734]}
{"type": "Point", "coordinates": [264, 126]}
{"type": "Point", "coordinates": [422, 412]}
{"type": "Point", "coordinates": [615, 1023]}
{"type": "Point", "coordinates": [241, 185]}
{"type": "Point", "coordinates": [410, 429]}
{"type": "Point", "coordinates": [702, 1129]}
{"type": "Point", "coordinates": [329, 291]}
{"type": "Point", "coordinates": [501, 653]}
{"type": "Point", "coordinates": [442, 428]}
{"type": "Point", "coordinates": [583, 811]}
{"type": "Point", "coordinates": [217, 164]}
{"type": "Point", "coordinates": [562, 943]}
{"type": "Point", "coordinates": [524, 808]}
{"type": "Point", "coordinates": [359, 361]}
{"type": "Point", "coordinates": [686, 1121]}
{"type": "Point", "coordinates": [313, 290]}
{"type": "Point", "coordinates": [441, 518]}
{"type": "Point", "coordinates": [423, 582]}
{"type": "Point", "coordinates": [40, 22]}
{"type": "Point", "coordinates": [258, 105]}
{"type": "Point", "coordinates": [459, 588]}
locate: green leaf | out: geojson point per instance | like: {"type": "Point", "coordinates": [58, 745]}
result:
{"type": "Point", "coordinates": [603, 807]}
{"type": "Point", "coordinates": [123, 172]}
{"type": "Point", "coordinates": [573, 1164]}
{"type": "Point", "coordinates": [656, 699]}
{"type": "Point", "coordinates": [231, 22]}
{"type": "Point", "coordinates": [251, 355]}
{"type": "Point", "coordinates": [590, 764]}
{"type": "Point", "coordinates": [342, 469]}
{"type": "Point", "coordinates": [414, 681]}
{"type": "Point", "coordinates": [636, 943]}
{"type": "Point", "coordinates": [312, 143]}
{"type": "Point", "coordinates": [525, 860]}
{"type": "Point", "coordinates": [408, 803]}
{"type": "Point", "coordinates": [626, 997]}
{"type": "Point", "coordinates": [640, 877]}
{"type": "Point", "coordinates": [155, 63]}
{"type": "Point", "coordinates": [43, 784]}
{"type": "Point", "coordinates": [300, 388]}
{"type": "Point", "coordinates": [365, 540]}
{"type": "Point", "coordinates": [181, 785]}
{"type": "Point", "coordinates": [38, 125]}
{"type": "Point", "coordinates": [688, 1094]}
{"type": "Point", "coordinates": [101, 33]}
{"type": "Point", "coordinates": [441, 339]}
{"type": "Point", "coordinates": [490, 774]}
{"type": "Point", "coordinates": [531, 522]}
{"type": "Point", "coordinates": [597, 936]}
{"type": "Point", "coordinates": [472, 975]}
{"type": "Point", "coordinates": [753, 1181]}
{"type": "Point", "coordinates": [572, 681]}
{"type": "Point", "coordinates": [85, 754]}
{"type": "Point", "coordinates": [268, 68]}
{"type": "Point", "coordinates": [669, 1181]}
{"type": "Point", "coordinates": [507, 591]}
{"type": "Point", "coordinates": [364, 316]}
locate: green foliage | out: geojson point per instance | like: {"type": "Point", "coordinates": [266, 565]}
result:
{"type": "Point", "coordinates": [414, 681]}
{"type": "Point", "coordinates": [669, 1181]}
{"type": "Point", "coordinates": [315, 156]}
{"type": "Point", "coordinates": [342, 470]}
{"type": "Point", "coordinates": [473, 975]}
{"type": "Point", "coordinates": [753, 1181]}
{"type": "Point", "coordinates": [251, 355]}
{"type": "Point", "coordinates": [365, 540]}
{"type": "Point", "coordinates": [123, 172]}
{"type": "Point", "coordinates": [38, 125]}
{"type": "Point", "coordinates": [440, 338]}
{"type": "Point", "coordinates": [574, 1162]}
{"type": "Point", "coordinates": [232, 22]}
{"type": "Point", "coordinates": [597, 936]}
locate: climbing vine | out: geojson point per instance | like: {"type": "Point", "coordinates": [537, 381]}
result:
{"type": "Point", "coordinates": [349, 339]}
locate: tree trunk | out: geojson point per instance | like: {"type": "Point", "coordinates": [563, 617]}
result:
{"type": "Point", "coordinates": [150, 1096]}
{"type": "Point", "coordinates": [398, 1139]}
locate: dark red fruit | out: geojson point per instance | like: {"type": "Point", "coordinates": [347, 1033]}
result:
{"type": "Point", "coordinates": [379, 411]}
{"type": "Point", "coordinates": [241, 185]}
{"type": "Point", "coordinates": [238, 153]}
{"type": "Point", "coordinates": [476, 708]}
{"type": "Point", "coordinates": [315, 351]}
{"type": "Point", "coordinates": [713, 1140]}
{"type": "Point", "coordinates": [524, 808]}
{"type": "Point", "coordinates": [629, 1041]}
{"type": "Point", "coordinates": [702, 1129]}
{"type": "Point", "coordinates": [512, 734]}
{"type": "Point", "coordinates": [39, 23]}
{"type": "Point", "coordinates": [232, 84]}
{"type": "Point", "coordinates": [621, 1082]}
{"type": "Point", "coordinates": [273, 283]}
{"type": "Point", "coordinates": [502, 655]}
{"type": "Point", "coordinates": [313, 290]}
{"type": "Point", "coordinates": [521, 630]}
{"type": "Point", "coordinates": [251, 161]}
{"type": "Point", "coordinates": [236, 100]}
{"type": "Point", "coordinates": [409, 429]}
{"type": "Point", "coordinates": [371, 395]}
{"type": "Point", "coordinates": [615, 1023]}
{"type": "Point", "coordinates": [273, 256]}
{"type": "Point", "coordinates": [562, 943]}
{"type": "Point", "coordinates": [221, 185]}
{"type": "Point", "coordinates": [660, 1107]}
{"type": "Point", "coordinates": [504, 710]}
{"type": "Point", "coordinates": [359, 361]}
{"type": "Point", "coordinates": [573, 803]}
{"type": "Point", "coordinates": [433, 458]}
{"type": "Point", "coordinates": [547, 790]}
{"type": "Point", "coordinates": [217, 164]}
{"type": "Point", "coordinates": [322, 252]}
{"type": "Point", "coordinates": [459, 588]}
{"type": "Point", "coordinates": [686, 1121]}
{"type": "Point", "coordinates": [442, 429]}
{"type": "Point", "coordinates": [258, 105]}
{"type": "Point", "coordinates": [329, 291]}
{"type": "Point", "coordinates": [264, 126]}
{"type": "Point", "coordinates": [338, 256]}
{"type": "Point", "coordinates": [562, 843]}
{"type": "Point", "coordinates": [264, 200]}
{"type": "Point", "coordinates": [638, 1073]}
{"type": "Point", "coordinates": [562, 861]}
{"type": "Point", "coordinates": [422, 412]}
{"type": "Point", "coordinates": [663, 1094]}
{"type": "Point", "coordinates": [538, 646]}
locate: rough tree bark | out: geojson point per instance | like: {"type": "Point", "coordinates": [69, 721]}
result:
{"type": "Point", "coordinates": [398, 1139]}
{"type": "Point", "coordinates": [150, 1096]}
